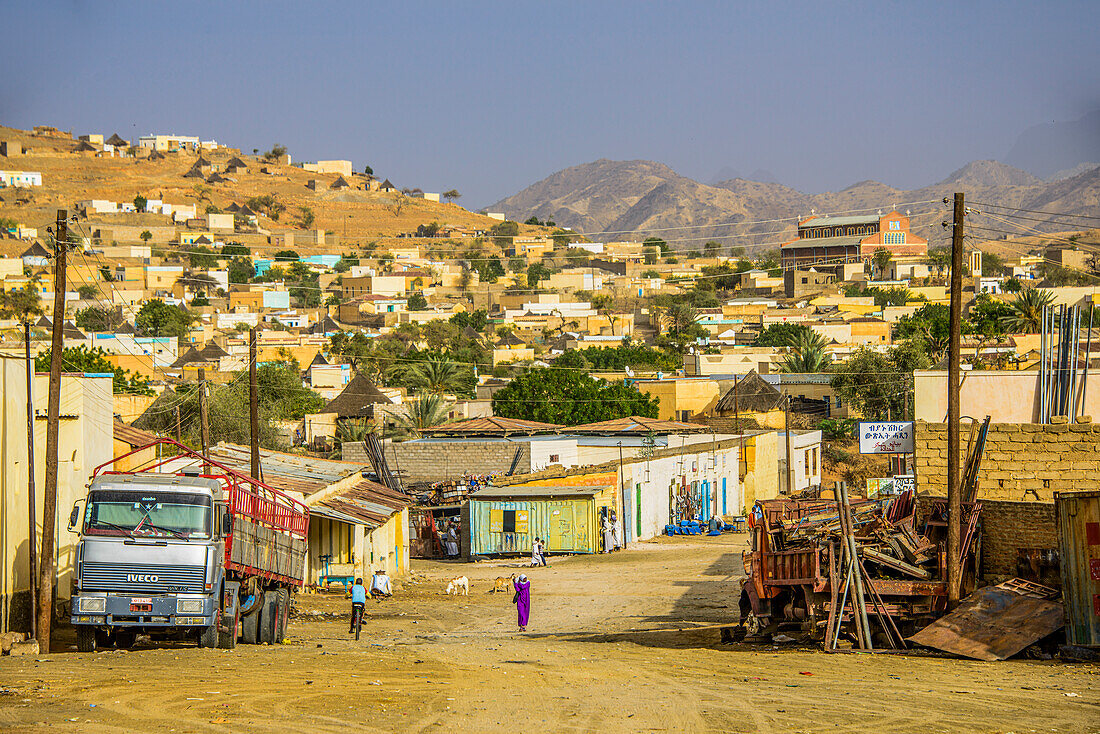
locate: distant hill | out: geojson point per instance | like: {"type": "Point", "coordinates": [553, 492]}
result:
{"type": "Point", "coordinates": [1046, 149]}
{"type": "Point", "coordinates": [611, 200]}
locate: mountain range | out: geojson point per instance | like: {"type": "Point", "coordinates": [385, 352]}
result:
{"type": "Point", "coordinates": [621, 200]}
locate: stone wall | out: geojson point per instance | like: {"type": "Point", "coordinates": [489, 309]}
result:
{"type": "Point", "coordinates": [1008, 528]}
{"type": "Point", "coordinates": [1023, 462]}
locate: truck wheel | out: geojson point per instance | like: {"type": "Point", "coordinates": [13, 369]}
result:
{"type": "Point", "coordinates": [227, 640]}
{"type": "Point", "coordinates": [250, 626]}
{"type": "Point", "coordinates": [269, 617]}
{"type": "Point", "coordinates": [208, 636]}
{"type": "Point", "coordinates": [85, 638]}
{"type": "Point", "coordinates": [284, 615]}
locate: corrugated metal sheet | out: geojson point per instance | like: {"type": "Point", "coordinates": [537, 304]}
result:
{"type": "Point", "coordinates": [568, 524]}
{"type": "Point", "coordinates": [1079, 542]}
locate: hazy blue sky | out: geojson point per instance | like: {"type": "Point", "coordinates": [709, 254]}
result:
{"type": "Point", "coordinates": [489, 97]}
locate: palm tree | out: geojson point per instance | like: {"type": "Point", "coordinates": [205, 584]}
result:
{"type": "Point", "coordinates": [439, 375]}
{"type": "Point", "coordinates": [426, 411]}
{"type": "Point", "coordinates": [807, 353]}
{"type": "Point", "coordinates": [353, 429]}
{"type": "Point", "coordinates": [1026, 315]}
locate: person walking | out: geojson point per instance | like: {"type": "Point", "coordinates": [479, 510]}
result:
{"type": "Point", "coordinates": [608, 535]}
{"type": "Point", "coordinates": [541, 543]}
{"type": "Point", "coordinates": [522, 599]}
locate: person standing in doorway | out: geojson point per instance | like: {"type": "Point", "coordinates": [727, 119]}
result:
{"type": "Point", "coordinates": [608, 535]}
{"type": "Point", "coordinates": [522, 599]}
{"type": "Point", "coordinates": [616, 531]}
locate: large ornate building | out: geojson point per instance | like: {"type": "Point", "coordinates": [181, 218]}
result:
{"type": "Point", "coordinates": [825, 240]}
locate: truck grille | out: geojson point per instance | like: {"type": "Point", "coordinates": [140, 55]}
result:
{"type": "Point", "coordinates": [142, 578]}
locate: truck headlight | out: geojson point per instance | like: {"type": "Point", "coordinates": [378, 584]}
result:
{"type": "Point", "coordinates": [188, 606]}
{"type": "Point", "coordinates": [93, 604]}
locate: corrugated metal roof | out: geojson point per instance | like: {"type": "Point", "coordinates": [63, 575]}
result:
{"type": "Point", "coordinates": [827, 221]}
{"type": "Point", "coordinates": [824, 242]}
{"type": "Point", "coordinates": [491, 426]}
{"type": "Point", "coordinates": [367, 502]}
{"type": "Point", "coordinates": [133, 436]}
{"type": "Point", "coordinates": [637, 424]}
{"type": "Point", "coordinates": [538, 491]}
{"type": "Point", "coordinates": [305, 475]}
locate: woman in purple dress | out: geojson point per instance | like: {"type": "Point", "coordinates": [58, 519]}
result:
{"type": "Point", "coordinates": [522, 599]}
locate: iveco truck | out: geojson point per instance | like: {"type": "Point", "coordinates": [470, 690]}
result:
{"type": "Point", "coordinates": [204, 553]}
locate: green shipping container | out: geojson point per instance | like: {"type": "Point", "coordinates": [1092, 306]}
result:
{"type": "Point", "coordinates": [1079, 543]}
{"type": "Point", "coordinates": [506, 520]}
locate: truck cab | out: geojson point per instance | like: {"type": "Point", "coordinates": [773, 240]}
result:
{"type": "Point", "coordinates": [150, 559]}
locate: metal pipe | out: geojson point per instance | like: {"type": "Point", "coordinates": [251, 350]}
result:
{"type": "Point", "coordinates": [1088, 353]}
{"type": "Point", "coordinates": [860, 599]}
{"type": "Point", "coordinates": [1042, 365]}
{"type": "Point", "coordinates": [1074, 356]}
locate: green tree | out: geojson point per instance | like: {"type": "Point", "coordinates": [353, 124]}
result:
{"type": "Point", "coordinates": [145, 236]}
{"type": "Point", "coordinates": [880, 385]}
{"type": "Point", "coordinates": [21, 304]}
{"type": "Point", "coordinates": [930, 324]}
{"type": "Point", "coordinates": [537, 272]}
{"type": "Point", "coordinates": [569, 397]}
{"type": "Point", "coordinates": [1012, 285]}
{"type": "Point", "coordinates": [782, 335]}
{"type": "Point", "coordinates": [157, 318]}
{"type": "Point", "coordinates": [881, 258]}
{"type": "Point", "coordinates": [452, 195]}
{"type": "Point", "coordinates": [440, 375]}
{"type": "Point", "coordinates": [712, 248]}
{"type": "Point", "coordinates": [277, 151]}
{"type": "Point", "coordinates": [476, 320]}
{"type": "Point", "coordinates": [987, 316]}
{"type": "Point", "coordinates": [417, 302]}
{"type": "Point", "coordinates": [1025, 314]}
{"type": "Point", "coordinates": [241, 270]}
{"type": "Point", "coordinates": [287, 255]}
{"type": "Point", "coordinates": [140, 202]}
{"type": "Point", "coordinates": [428, 410]}
{"type": "Point", "coordinates": [95, 361]}
{"type": "Point", "coordinates": [649, 255]}
{"type": "Point", "coordinates": [368, 170]}
{"type": "Point", "coordinates": [807, 353]}
{"type": "Point", "coordinates": [88, 291]}
{"type": "Point", "coordinates": [993, 264]}
{"type": "Point", "coordinates": [940, 259]}
{"type": "Point", "coordinates": [95, 318]}
{"type": "Point", "coordinates": [203, 258]}
{"type": "Point", "coordinates": [306, 217]}
{"type": "Point", "coordinates": [658, 243]}
{"type": "Point", "coordinates": [234, 249]}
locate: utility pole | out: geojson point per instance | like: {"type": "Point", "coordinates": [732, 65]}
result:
{"type": "Point", "coordinates": [179, 428]}
{"type": "Point", "coordinates": [32, 529]}
{"type": "Point", "coordinates": [253, 405]}
{"type": "Point", "coordinates": [47, 566]}
{"type": "Point", "coordinates": [787, 430]}
{"type": "Point", "coordinates": [954, 491]}
{"type": "Point", "coordinates": [204, 420]}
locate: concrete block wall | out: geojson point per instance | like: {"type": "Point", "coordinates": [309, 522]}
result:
{"type": "Point", "coordinates": [1008, 527]}
{"type": "Point", "coordinates": [1023, 462]}
{"type": "Point", "coordinates": [433, 462]}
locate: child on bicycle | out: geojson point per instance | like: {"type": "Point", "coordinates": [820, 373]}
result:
{"type": "Point", "coordinates": [358, 602]}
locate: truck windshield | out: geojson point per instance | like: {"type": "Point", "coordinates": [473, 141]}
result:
{"type": "Point", "coordinates": [147, 514]}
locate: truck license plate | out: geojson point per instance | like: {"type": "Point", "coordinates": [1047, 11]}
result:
{"type": "Point", "coordinates": [141, 600]}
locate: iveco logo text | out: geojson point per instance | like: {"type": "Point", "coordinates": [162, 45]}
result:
{"type": "Point", "coordinates": [142, 578]}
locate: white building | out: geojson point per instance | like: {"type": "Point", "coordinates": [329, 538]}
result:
{"type": "Point", "coordinates": [20, 179]}
{"type": "Point", "coordinates": [168, 143]}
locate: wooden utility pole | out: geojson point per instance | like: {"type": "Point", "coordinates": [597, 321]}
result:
{"type": "Point", "coordinates": [787, 430]}
{"type": "Point", "coordinates": [253, 405]}
{"type": "Point", "coordinates": [954, 491]}
{"type": "Point", "coordinates": [47, 565]}
{"type": "Point", "coordinates": [179, 428]}
{"type": "Point", "coordinates": [204, 420]}
{"type": "Point", "coordinates": [32, 523]}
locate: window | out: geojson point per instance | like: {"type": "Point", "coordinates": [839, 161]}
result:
{"type": "Point", "coordinates": [894, 238]}
{"type": "Point", "coordinates": [804, 281]}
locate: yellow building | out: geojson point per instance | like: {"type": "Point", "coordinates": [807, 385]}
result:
{"type": "Point", "coordinates": [680, 397]}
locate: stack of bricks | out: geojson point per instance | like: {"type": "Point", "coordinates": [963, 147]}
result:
{"type": "Point", "coordinates": [1023, 462]}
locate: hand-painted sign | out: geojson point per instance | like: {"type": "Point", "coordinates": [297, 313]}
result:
{"type": "Point", "coordinates": [894, 437]}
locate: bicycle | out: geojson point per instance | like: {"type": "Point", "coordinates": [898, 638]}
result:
{"type": "Point", "coordinates": [356, 618]}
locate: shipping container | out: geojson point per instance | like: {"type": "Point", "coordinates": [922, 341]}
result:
{"type": "Point", "coordinates": [1078, 515]}
{"type": "Point", "coordinates": [506, 520]}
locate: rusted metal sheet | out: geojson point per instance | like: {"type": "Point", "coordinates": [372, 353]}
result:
{"type": "Point", "coordinates": [993, 623]}
{"type": "Point", "coordinates": [1078, 516]}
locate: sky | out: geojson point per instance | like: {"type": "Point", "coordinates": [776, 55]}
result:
{"type": "Point", "coordinates": [489, 97]}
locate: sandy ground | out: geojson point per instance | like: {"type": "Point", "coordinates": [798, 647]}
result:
{"type": "Point", "coordinates": [430, 662]}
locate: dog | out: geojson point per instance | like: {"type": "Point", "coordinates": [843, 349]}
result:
{"type": "Point", "coordinates": [501, 584]}
{"type": "Point", "coordinates": [460, 585]}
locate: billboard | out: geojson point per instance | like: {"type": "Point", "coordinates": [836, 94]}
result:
{"type": "Point", "coordinates": [891, 437]}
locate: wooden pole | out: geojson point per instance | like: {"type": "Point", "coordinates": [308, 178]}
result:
{"type": "Point", "coordinates": [47, 565]}
{"type": "Point", "coordinates": [179, 428]}
{"type": "Point", "coordinates": [253, 405]}
{"type": "Point", "coordinates": [204, 420]}
{"type": "Point", "coordinates": [32, 523]}
{"type": "Point", "coordinates": [954, 493]}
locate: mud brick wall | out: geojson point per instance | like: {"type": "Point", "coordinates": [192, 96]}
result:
{"type": "Point", "coordinates": [1023, 462]}
{"type": "Point", "coordinates": [1008, 527]}
{"type": "Point", "coordinates": [433, 462]}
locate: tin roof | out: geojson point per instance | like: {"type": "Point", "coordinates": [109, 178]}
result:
{"type": "Point", "coordinates": [826, 221]}
{"type": "Point", "coordinates": [366, 502]}
{"type": "Point", "coordinates": [134, 437]}
{"type": "Point", "coordinates": [637, 424]}
{"type": "Point", "coordinates": [537, 491]}
{"type": "Point", "coordinates": [491, 426]}
{"type": "Point", "coordinates": [305, 475]}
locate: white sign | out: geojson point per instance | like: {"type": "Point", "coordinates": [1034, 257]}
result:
{"type": "Point", "coordinates": [886, 438]}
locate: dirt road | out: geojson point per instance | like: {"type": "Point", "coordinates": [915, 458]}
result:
{"type": "Point", "coordinates": [429, 662]}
